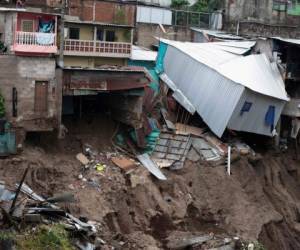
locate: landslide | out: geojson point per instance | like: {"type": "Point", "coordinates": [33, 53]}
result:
{"type": "Point", "coordinates": [259, 201]}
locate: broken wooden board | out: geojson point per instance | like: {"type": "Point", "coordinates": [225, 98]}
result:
{"type": "Point", "coordinates": [124, 163]}
{"type": "Point", "coordinates": [182, 129]}
{"type": "Point", "coordinates": [82, 158]}
{"type": "Point", "coordinates": [164, 113]}
{"type": "Point", "coordinates": [151, 166]}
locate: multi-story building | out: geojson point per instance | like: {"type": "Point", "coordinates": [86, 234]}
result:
{"type": "Point", "coordinates": [29, 81]}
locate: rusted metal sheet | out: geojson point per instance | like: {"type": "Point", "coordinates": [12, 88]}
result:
{"type": "Point", "coordinates": [103, 81]}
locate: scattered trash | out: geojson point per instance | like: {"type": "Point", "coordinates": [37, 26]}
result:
{"type": "Point", "coordinates": [188, 242]}
{"type": "Point", "coordinates": [100, 167]}
{"type": "Point", "coordinates": [82, 158]}
{"type": "Point", "coordinates": [182, 129]}
{"type": "Point", "coordinates": [6, 195]}
{"type": "Point", "coordinates": [242, 148]}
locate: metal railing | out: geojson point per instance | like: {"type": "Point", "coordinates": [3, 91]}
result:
{"type": "Point", "coordinates": [35, 38]}
{"type": "Point", "coordinates": [97, 48]}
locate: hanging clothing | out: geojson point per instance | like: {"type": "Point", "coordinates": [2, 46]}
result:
{"type": "Point", "coordinates": [46, 26]}
{"type": "Point", "coordinates": [45, 38]}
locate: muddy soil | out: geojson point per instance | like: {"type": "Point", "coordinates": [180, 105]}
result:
{"type": "Point", "coordinates": [259, 201]}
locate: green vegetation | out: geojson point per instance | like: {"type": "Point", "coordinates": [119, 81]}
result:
{"type": "Point", "coordinates": [179, 4]}
{"type": "Point", "coordinates": [46, 238]}
{"type": "Point", "coordinates": [199, 6]}
{"type": "Point", "coordinates": [4, 235]}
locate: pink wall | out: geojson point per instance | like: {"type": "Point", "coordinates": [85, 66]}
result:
{"type": "Point", "coordinates": [32, 16]}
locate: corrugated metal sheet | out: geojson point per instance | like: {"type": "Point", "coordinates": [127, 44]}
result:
{"type": "Point", "coordinates": [256, 73]}
{"type": "Point", "coordinates": [254, 120]}
{"type": "Point", "coordinates": [293, 41]}
{"type": "Point", "coordinates": [213, 95]}
{"type": "Point", "coordinates": [141, 54]}
{"type": "Point", "coordinates": [217, 84]}
{"type": "Point", "coordinates": [147, 14]}
{"type": "Point", "coordinates": [218, 34]}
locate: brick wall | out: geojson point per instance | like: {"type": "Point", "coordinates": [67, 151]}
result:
{"type": "Point", "coordinates": [21, 73]}
{"type": "Point", "coordinates": [102, 11]}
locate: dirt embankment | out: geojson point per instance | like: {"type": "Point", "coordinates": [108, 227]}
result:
{"type": "Point", "coordinates": [259, 201]}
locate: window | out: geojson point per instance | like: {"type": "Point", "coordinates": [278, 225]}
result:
{"type": "Point", "coordinates": [27, 26]}
{"type": "Point", "coordinates": [270, 117]}
{"type": "Point", "coordinates": [280, 5]}
{"type": "Point", "coordinates": [74, 33]}
{"type": "Point", "coordinates": [110, 36]}
{"type": "Point", "coordinates": [100, 35]}
{"type": "Point", "coordinates": [246, 107]}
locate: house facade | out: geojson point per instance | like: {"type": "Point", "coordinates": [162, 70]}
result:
{"type": "Point", "coordinates": [29, 79]}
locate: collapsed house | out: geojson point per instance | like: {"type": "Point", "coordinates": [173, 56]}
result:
{"type": "Point", "coordinates": [226, 88]}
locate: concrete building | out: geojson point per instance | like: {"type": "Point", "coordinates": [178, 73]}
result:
{"type": "Point", "coordinates": [262, 18]}
{"type": "Point", "coordinates": [29, 81]}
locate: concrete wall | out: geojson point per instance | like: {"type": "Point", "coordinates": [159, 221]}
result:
{"type": "Point", "coordinates": [257, 17]}
{"type": "Point", "coordinates": [21, 73]}
{"type": "Point", "coordinates": [145, 34]}
{"type": "Point", "coordinates": [91, 62]}
{"type": "Point", "coordinates": [87, 32]}
{"type": "Point", "coordinates": [7, 24]}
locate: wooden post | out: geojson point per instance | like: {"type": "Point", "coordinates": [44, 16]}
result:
{"type": "Point", "coordinates": [229, 160]}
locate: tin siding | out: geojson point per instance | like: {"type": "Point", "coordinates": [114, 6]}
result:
{"type": "Point", "coordinates": [254, 120]}
{"type": "Point", "coordinates": [214, 96]}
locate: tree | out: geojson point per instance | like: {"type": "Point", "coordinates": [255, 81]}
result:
{"type": "Point", "coordinates": [2, 106]}
{"type": "Point", "coordinates": [207, 5]}
{"type": "Point", "coordinates": [179, 4]}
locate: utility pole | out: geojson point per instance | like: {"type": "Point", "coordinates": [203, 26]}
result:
{"type": "Point", "coordinates": [62, 34]}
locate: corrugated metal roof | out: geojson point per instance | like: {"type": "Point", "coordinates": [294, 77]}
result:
{"type": "Point", "coordinates": [293, 41]}
{"type": "Point", "coordinates": [218, 34]}
{"type": "Point", "coordinates": [141, 54]}
{"type": "Point", "coordinates": [254, 72]}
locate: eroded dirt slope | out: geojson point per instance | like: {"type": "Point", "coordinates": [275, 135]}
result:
{"type": "Point", "coordinates": [260, 200]}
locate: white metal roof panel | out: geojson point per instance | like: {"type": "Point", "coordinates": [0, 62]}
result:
{"type": "Point", "coordinates": [141, 54]}
{"type": "Point", "coordinates": [254, 71]}
{"type": "Point", "coordinates": [293, 41]}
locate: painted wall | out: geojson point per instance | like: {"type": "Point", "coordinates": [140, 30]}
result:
{"type": "Point", "coordinates": [87, 32]}
{"type": "Point", "coordinates": [92, 62]}
{"type": "Point", "coordinates": [254, 120]}
{"type": "Point", "coordinates": [21, 73]}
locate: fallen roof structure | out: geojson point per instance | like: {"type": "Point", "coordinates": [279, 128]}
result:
{"type": "Point", "coordinates": [204, 35]}
{"type": "Point", "coordinates": [227, 89]}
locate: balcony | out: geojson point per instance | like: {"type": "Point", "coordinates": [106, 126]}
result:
{"type": "Point", "coordinates": [74, 47]}
{"type": "Point", "coordinates": [35, 42]}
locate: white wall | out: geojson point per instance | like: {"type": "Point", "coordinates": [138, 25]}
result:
{"type": "Point", "coordinates": [154, 15]}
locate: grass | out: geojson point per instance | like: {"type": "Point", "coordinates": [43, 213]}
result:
{"type": "Point", "coordinates": [53, 237]}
